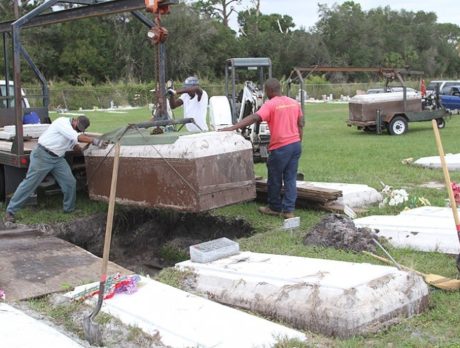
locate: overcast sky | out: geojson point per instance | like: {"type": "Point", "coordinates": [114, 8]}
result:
{"type": "Point", "coordinates": [305, 12]}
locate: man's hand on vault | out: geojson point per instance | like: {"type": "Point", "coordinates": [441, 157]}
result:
{"type": "Point", "coordinates": [100, 143]}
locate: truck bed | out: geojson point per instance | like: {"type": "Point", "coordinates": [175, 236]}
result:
{"type": "Point", "coordinates": [29, 145]}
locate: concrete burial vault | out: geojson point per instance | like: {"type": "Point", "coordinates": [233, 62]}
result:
{"type": "Point", "coordinates": [20, 330]}
{"type": "Point", "coordinates": [185, 320]}
{"type": "Point", "coordinates": [452, 161]}
{"type": "Point", "coordinates": [423, 228]}
{"type": "Point", "coordinates": [329, 297]}
{"type": "Point", "coordinates": [353, 195]}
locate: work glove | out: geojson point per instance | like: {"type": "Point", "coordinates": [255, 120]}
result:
{"type": "Point", "coordinates": [170, 84]}
{"type": "Point", "coordinates": [100, 143]}
{"type": "Point", "coordinates": [170, 92]}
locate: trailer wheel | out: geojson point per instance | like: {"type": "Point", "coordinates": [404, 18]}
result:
{"type": "Point", "coordinates": [441, 123]}
{"type": "Point", "coordinates": [398, 126]}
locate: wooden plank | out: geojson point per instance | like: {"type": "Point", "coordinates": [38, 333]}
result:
{"type": "Point", "coordinates": [307, 192]}
{"type": "Point", "coordinates": [35, 265]}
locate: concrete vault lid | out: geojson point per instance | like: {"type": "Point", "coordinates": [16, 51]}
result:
{"type": "Point", "coordinates": [174, 145]}
{"type": "Point", "coordinates": [330, 297]}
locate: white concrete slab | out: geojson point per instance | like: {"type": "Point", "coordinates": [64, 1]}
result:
{"type": "Point", "coordinates": [424, 228]}
{"type": "Point", "coordinates": [6, 135]}
{"type": "Point", "coordinates": [452, 161]}
{"type": "Point", "coordinates": [18, 330]}
{"type": "Point", "coordinates": [188, 146]}
{"type": "Point", "coordinates": [29, 130]}
{"type": "Point", "coordinates": [353, 195]}
{"type": "Point", "coordinates": [330, 297]}
{"type": "Point", "coordinates": [383, 97]}
{"type": "Point", "coordinates": [186, 320]}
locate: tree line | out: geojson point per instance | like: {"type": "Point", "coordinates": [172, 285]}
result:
{"type": "Point", "coordinates": [116, 48]}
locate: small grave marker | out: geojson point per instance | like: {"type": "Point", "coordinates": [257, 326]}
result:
{"type": "Point", "coordinates": [291, 223]}
{"type": "Point", "coordinates": [213, 250]}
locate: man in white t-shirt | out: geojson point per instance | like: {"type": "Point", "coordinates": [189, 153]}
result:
{"type": "Point", "coordinates": [63, 135]}
{"type": "Point", "coordinates": [195, 102]}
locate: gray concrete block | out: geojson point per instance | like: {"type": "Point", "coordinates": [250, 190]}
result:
{"type": "Point", "coordinates": [213, 250]}
{"type": "Point", "coordinates": [289, 224]}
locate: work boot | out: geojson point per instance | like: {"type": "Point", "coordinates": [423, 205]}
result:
{"type": "Point", "coordinates": [9, 217]}
{"type": "Point", "coordinates": [268, 211]}
{"type": "Point", "coordinates": [288, 215]}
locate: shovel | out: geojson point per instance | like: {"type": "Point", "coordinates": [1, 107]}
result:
{"type": "Point", "coordinates": [453, 204]}
{"type": "Point", "coordinates": [435, 280]}
{"type": "Point", "coordinates": [92, 332]}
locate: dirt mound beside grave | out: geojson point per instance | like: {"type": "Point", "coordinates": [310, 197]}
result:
{"type": "Point", "coordinates": [340, 232]}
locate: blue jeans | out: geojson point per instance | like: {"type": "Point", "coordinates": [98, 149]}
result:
{"type": "Point", "coordinates": [282, 167]}
{"type": "Point", "coordinates": [42, 163]}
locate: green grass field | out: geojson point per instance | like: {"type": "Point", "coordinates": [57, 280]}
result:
{"type": "Point", "coordinates": [333, 152]}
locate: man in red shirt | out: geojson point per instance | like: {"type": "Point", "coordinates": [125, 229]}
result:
{"type": "Point", "coordinates": [285, 120]}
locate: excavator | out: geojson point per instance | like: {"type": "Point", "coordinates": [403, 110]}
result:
{"type": "Point", "coordinates": [236, 105]}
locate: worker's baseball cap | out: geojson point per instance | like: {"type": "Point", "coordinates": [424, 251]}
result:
{"type": "Point", "coordinates": [82, 123]}
{"type": "Point", "coordinates": [191, 81]}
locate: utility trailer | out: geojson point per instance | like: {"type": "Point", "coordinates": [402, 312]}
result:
{"type": "Point", "coordinates": [392, 111]}
{"type": "Point", "coordinates": [376, 112]}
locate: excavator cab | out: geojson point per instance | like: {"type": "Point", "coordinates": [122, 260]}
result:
{"type": "Point", "coordinates": [243, 99]}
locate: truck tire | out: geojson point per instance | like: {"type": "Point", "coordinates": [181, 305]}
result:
{"type": "Point", "coordinates": [398, 126]}
{"type": "Point", "coordinates": [441, 123]}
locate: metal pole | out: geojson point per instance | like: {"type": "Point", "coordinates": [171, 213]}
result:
{"type": "Point", "coordinates": [226, 79]}
{"type": "Point", "coordinates": [302, 97]}
{"type": "Point", "coordinates": [45, 91]}
{"type": "Point", "coordinates": [18, 139]}
{"type": "Point", "coordinates": [7, 76]}
{"type": "Point", "coordinates": [16, 8]}
{"type": "Point", "coordinates": [162, 81]}
{"type": "Point", "coordinates": [261, 77]}
{"type": "Point", "coordinates": [398, 75]}
{"type": "Point", "coordinates": [379, 121]}
{"type": "Point", "coordinates": [234, 111]}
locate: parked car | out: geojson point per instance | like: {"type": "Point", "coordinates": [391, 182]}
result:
{"type": "Point", "coordinates": [450, 99]}
{"type": "Point", "coordinates": [443, 85]}
{"type": "Point", "coordinates": [4, 97]}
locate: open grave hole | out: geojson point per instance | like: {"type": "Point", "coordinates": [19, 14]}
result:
{"type": "Point", "coordinates": [145, 241]}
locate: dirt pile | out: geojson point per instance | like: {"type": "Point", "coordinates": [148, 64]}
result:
{"type": "Point", "coordinates": [340, 232]}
